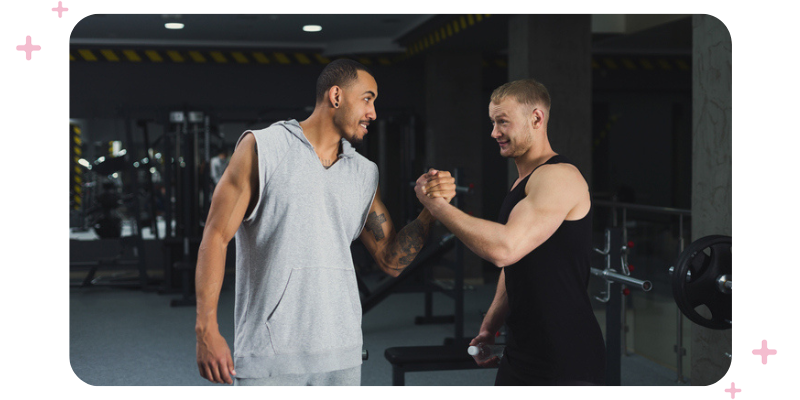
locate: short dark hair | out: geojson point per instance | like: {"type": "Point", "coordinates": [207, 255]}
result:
{"type": "Point", "coordinates": [341, 72]}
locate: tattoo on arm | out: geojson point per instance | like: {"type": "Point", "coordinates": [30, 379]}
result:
{"type": "Point", "coordinates": [375, 225]}
{"type": "Point", "coordinates": [407, 244]}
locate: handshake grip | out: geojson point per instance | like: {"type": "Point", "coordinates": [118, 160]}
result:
{"type": "Point", "coordinates": [468, 189]}
{"type": "Point", "coordinates": [462, 188]}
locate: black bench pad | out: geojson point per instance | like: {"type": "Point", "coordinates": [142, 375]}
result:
{"type": "Point", "coordinates": [427, 358]}
{"type": "Point", "coordinates": [427, 354]}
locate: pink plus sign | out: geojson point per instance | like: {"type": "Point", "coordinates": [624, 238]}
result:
{"type": "Point", "coordinates": [28, 47]}
{"type": "Point", "coordinates": [60, 9]}
{"type": "Point", "coordinates": [764, 352]}
{"type": "Point", "coordinates": [733, 390]}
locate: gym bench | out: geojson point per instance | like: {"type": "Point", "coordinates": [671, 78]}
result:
{"type": "Point", "coordinates": [427, 358]}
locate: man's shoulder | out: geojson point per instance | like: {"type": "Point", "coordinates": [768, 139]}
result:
{"type": "Point", "coordinates": [274, 138]}
{"type": "Point", "coordinates": [560, 175]}
{"type": "Point", "coordinates": [277, 129]}
{"type": "Point", "coordinates": [563, 168]}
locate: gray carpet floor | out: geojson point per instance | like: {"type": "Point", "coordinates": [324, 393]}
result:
{"type": "Point", "coordinates": [130, 337]}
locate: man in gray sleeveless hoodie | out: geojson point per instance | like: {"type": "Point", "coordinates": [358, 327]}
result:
{"type": "Point", "coordinates": [296, 195]}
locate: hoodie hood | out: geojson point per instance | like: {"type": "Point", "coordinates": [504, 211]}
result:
{"type": "Point", "coordinates": [294, 127]}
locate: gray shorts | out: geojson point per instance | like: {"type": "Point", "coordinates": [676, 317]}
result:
{"type": "Point", "coordinates": [344, 377]}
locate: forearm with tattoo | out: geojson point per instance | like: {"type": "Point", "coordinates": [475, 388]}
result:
{"type": "Point", "coordinates": [407, 244]}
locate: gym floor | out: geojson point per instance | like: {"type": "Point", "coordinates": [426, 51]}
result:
{"type": "Point", "coordinates": [131, 337]}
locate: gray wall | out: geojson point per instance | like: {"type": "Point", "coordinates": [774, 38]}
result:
{"type": "Point", "coordinates": [712, 172]}
{"type": "Point", "coordinates": [555, 50]}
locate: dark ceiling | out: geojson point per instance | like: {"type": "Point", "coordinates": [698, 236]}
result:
{"type": "Point", "coordinates": [365, 33]}
{"type": "Point", "coordinates": [359, 33]}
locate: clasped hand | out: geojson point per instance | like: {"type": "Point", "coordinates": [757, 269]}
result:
{"type": "Point", "coordinates": [435, 185]}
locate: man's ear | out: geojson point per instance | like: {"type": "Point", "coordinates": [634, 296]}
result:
{"type": "Point", "coordinates": [537, 117]}
{"type": "Point", "coordinates": [335, 96]}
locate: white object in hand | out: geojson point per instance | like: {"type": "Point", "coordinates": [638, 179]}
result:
{"type": "Point", "coordinates": [486, 351]}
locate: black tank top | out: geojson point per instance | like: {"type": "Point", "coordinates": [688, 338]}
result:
{"type": "Point", "coordinates": [552, 331]}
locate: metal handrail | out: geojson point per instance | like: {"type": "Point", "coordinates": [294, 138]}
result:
{"type": "Point", "coordinates": [681, 213]}
{"type": "Point", "coordinates": [641, 207]}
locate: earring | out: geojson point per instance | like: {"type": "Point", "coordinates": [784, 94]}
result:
{"type": "Point", "coordinates": [336, 105]}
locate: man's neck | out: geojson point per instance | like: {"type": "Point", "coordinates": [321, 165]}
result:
{"type": "Point", "coordinates": [534, 157]}
{"type": "Point", "coordinates": [322, 134]}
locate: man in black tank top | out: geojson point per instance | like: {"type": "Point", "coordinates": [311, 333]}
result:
{"type": "Point", "coordinates": [542, 242]}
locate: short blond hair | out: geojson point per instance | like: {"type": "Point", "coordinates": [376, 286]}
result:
{"type": "Point", "coordinates": [524, 91]}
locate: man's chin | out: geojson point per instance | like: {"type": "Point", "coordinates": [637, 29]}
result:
{"type": "Point", "coordinates": [355, 141]}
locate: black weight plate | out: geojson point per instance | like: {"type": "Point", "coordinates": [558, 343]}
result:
{"type": "Point", "coordinates": [701, 288]}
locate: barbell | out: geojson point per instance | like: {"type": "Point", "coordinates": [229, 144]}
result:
{"type": "Point", "coordinates": [701, 277]}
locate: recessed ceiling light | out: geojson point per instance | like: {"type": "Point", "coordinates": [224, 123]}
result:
{"type": "Point", "coordinates": [312, 28]}
{"type": "Point", "coordinates": [173, 25]}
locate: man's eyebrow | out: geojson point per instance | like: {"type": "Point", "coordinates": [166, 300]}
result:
{"type": "Point", "coordinates": [370, 92]}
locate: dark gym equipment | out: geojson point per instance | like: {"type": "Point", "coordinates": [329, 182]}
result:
{"type": "Point", "coordinates": [453, 354]}
{"type": "Point", "coordinates": [187, 186]}
{"type": "Point", "coordinates": [185, 201]}
{"type": "Point", "coordinates": [702, 276]}
{"type": "Point", "coordinates": [614, 251]}
{"type": "Point", "coordinates": [150, 188]}
{"type": "Point", "coordinates": [617, 216]}
{"type": "Point", "coordinates": [422, 265]}
{"type": "Point", "coordinates": [104, 216]}
{"type": "Point", "coordinates": [456, 291]}
{"type": "Point", "coordinates": [427, 358]}
{"type": "Point", "coordinates": [118, 261]}
{"type": "Point", "coordinates": [613, 298]}
{"type": "Point", "coordinates": [429, 254]}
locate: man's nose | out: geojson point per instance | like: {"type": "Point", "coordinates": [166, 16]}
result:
{"type": "Point", "coordinates": [495, 132]}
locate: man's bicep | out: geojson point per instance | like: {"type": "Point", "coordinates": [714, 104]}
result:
{"type": "Point", "coordinates": [537, 216]}
{"type": "Point", "coordinates": [378, 228]}
{"type": "Point", "coordinates": [231, 200]}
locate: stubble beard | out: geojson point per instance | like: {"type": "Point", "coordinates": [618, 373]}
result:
{"type": "Point", "coordinates": [340, 121]}
{"type": "Point", "coordinates": [355, 141]}
{"type": "Point", "coordinates": [518, 149]}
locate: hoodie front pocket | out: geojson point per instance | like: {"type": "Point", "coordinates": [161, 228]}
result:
{"type": "Point", "coordinates": [316, 313]}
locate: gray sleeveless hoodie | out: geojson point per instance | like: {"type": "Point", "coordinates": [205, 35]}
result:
{"type": "Point", "coordinates": [297, 304]}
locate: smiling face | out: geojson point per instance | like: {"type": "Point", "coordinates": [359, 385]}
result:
{"type": "Point", "coordinates": [357, 108]}
{"type": "Point", "coordinates": [513, 126]}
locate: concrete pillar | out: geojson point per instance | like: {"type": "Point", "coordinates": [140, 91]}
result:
{"type": "Point", "coordinates": [711, 172]}
{"type": "Point", "coordinates": [556, 51]}
{"type": "Point", "coordinates": [453, 126]}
